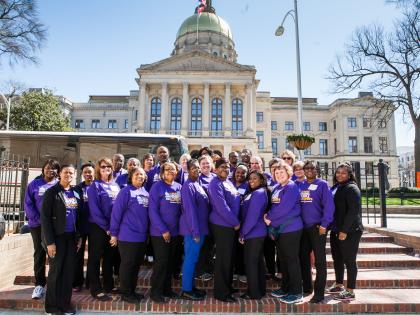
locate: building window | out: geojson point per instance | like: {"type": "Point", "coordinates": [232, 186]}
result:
{"type": "Point", "coordinates": [96, 124]}
{"type": "Point", "coordinates": [112, 124]}
{"type": "Point", "coordinates": [368, 144]}
{"type": "Point", "coordinates": [260, 139]}
{"type": "Point", "coordinates": [369, 168]}
{"type": "Point", "coordinates": [307, 151]}
{"type": "Point", "coordinates": [79, 124]}
{"type": "Point", "coordinates": [260, 116]}
{"type": "Point", "coordinates": [335, 124]}
{"type": "Point", "coordinates": [125, 123]}
{"type": "Point", "coordinates": [323, 147]}
{"type": "Point", "coordinates": [382, 123]}
{"type": "Point", "coordinates": [216, 114]}
{"type": "Point", "coordinates": [322, 126]}
{"type": "Point", "coordinates": [351, 122]}
{"type": "Point", "coordinates": [176, 107]}
{"type": "Point", "coordinates": [273, 125]}
{"type": "Point", "coordinates": [155, 114]}
{"type": "Point", "coordinates": [196, 113]}
{"type": "Point", "coordinates": [306, 126]}
{"type": "Point", "coordinates": [352, 145]}
{"type": "Point", "coordinates": [237, 116]}
{"type": "Point", "coordinates": [383, 144]}
{"type": "Point", "coordinates": [367, 122]}
{"type": "Point", "coordinates": [288, 125]}
{"type": "Point", "coordinates": [274, 146]}
{"type": "Point", "coordinates": [335, 146]}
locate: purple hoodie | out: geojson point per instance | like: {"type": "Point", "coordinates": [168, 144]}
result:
{"type": "Point", "coordinates": [164, 208]}
{"type": "Point", "coordinates": [129, 217]}
{"type": "Point", "coordinates": [317, 203]}
{"type": "Point", "coordinates": [33, 200]}
{"type": "Point", "coordinates": [101, 197]}
{"type": "Point", "coordinates": [225, 201]}
{"type": "Point", "coordinates": [285, 208]}
{"type": "Point", "coordinates": [252, 214]}
{"type": "Point", "coordinates": [195, 210]}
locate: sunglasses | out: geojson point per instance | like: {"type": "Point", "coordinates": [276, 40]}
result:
{"type": "Point", "coordinates": [105, 166]}
{"type": "Point", "coordinates": [287, 158]}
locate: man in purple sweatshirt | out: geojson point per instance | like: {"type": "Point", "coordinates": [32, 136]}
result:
{"type": "Point", "coordinates": [317, 213]}
{"type": "Point", "coordinates": [33, 201]}
{"type": "Point", "coordinates": [162, 155]}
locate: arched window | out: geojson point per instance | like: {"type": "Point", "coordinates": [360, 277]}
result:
{"type": "Point", "coordinates": [237, 117]}
{"type": "Point", "coordinates": [196, 114]}
{"type": "Point", "coordinates": [176, 108]}
{"type": "Point", "coordinates": [155, 109]}
{"type": "Point", "coordinates": [216, 114]}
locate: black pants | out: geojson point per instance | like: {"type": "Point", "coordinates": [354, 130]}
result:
{"type": "Point", "coordinates": [312, 241]}
{"type": "Point", "coordinates": [61, 274]}
{"type": "Point", "coordinates": [79, 264]}
{"type": "Point", "coordinates": [205, 262]}
{"type": "Point", "coordinates": [224, 238]}
{"type": "Point", "coordinates": [39, 257]}
{"type": "Point", "coordinates": [238, 257]}
{"type": "Point", "coordinates": [179, 256]}
{"type": "Point", "coordinates": [99, 248]}
{"type": "Point", "coordinates": [163, 265]}
{"type": "Point", "coordinates": [345, 253]}
{"type": "Point", "coordinates": [287, 245]}
{"type": "Point", "coordinates": [132, 255]}
{"type": "Point", "coordinates": [270, 256]}
{"type": "Point", "coordinates": [254, 267]}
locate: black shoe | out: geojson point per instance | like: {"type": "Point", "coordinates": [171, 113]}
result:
{"type": "Point", "coordinates": [316, 299]}
{"type": "Point", "coordinates": [158, 299]}
{"type": "Point", "coordinates": [171, 295]}
{"type": "Point", "coordinates": [234, 290]}
{"type": "Point", "coordinates": [102, 297]}
{"type": "Point", "coordinates": [138, 296]}
{"type": "Point", "coordinates": [199, 292]}
{"type": "Point", "coordinates": [70, 310]}
{"type": "Point", "coordinates": [132, 299]}
{"type": "Point", "coordinates": [190, 295]}
{"type": "Point", "coordinates": [245, 296]}
{"type": "Point", "coordinates": [228, 299]}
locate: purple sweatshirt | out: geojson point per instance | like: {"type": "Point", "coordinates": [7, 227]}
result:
{"type": "Point", "coordinates": [101, 199]}
{"type": "Point", "coordinates": [33, 200]}
{"type": "Point", "coordinates": [129, 217]}
{"type": "Point", "coordinates": [116, 174]}
{"type": "Point", "coordinates": [71, 210]}
{"type": "Point", "coordinates": [252, 214]}
{"type": "Point", "coordinates": [164, 208]}
{"type": "Point", "coordinates": [195, 210]}
{"type": "Point", "coordinates": [181, 177]}
{"type": "Point", "coordinates": [225, 202]}
{"type": "Point", "coordinates": [285, 208]}
{"type": "Point", "coordinates": [122, 180]}
{"type": "Point", "coordinates": [153, 176]}
{"type": "Point", "coordinates": [317, 203]}
{"type": "Point", "coordinates": [242, 188]}
{"type": "Point", "coordinates": [205, 180]}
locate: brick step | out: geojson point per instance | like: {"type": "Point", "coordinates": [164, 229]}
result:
{"type": "Point", "coordinates": [383, 260]}
{"type": "Point", "coordinates": [367, 278]}
{"type": "Point", "coordinates": [367, 301]}
{"type": "Point", "coordinates": [368, 237]}
{"type": "Point", "coordinates": [380, 248]}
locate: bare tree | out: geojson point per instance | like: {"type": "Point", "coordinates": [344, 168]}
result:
{"type": "Point", "coordinates": [21, 32]}
{"type": "Point", "coordinates": [389, 65]}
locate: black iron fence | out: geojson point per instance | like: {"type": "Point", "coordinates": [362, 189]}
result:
{"type": "Point", "coordinates": [14, 172]}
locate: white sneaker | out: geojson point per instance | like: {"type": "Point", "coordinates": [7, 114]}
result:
{"type": "Point", "coordinates": [150, 259]}
{"type": "Point", "coordinates": [38, 292]}
{"type": "Point", "coordinates": [243, 279]}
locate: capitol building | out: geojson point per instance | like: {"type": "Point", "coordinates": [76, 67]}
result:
{"type": "Point", "coordinates": [202, 93]}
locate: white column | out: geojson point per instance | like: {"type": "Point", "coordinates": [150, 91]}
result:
{"type": "Point", "coordinates": [227, 112]}
{"type": "Point", "coordinates": [164, 125]}
{"type": "Point", "coordinates": [185, 109]}
{"type": "Point", "coordinates": [345, 137]}
{"type": "Point", "coordinates": [246, 109]}
{"type": "Point", "coordinates": [249, 109]}
{"type": "Point", "coordinates": [143, 108]}
{"type": "Point", "coordinates": [206, 109]}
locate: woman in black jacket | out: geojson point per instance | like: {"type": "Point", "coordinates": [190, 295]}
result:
{"type": "Point", "coordinates": [60, 228]}
{"type": "Point", "coordinates": [347, 229]}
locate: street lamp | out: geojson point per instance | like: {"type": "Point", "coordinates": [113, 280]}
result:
{"type": "Point", "coordinates": [279, 32]}
{"type": "Point", "coordinates": [8, 102]}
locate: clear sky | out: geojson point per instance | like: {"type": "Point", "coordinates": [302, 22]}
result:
{"type": "Point", "coordinates": [95, 46]}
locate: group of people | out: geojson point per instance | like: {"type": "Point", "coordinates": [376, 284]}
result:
{"type": "Point", "coordinates": [206, 217]}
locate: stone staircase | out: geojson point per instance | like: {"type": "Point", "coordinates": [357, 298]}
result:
{"type": "Point", "coordinates": [388, 282]}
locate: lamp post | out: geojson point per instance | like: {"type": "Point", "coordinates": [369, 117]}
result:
{"type": "Point", "coordinates": [279, 32]}
{"type": "Point", "coordinates": [8, 102]}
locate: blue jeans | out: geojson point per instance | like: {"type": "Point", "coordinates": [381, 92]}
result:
{"type": "Point", "coordinates": [191, 254]}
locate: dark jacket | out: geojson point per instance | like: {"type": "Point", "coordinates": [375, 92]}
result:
{"type": "Point", "coordinates": [348, 208]}
{"type": "Point", "coordinates": [53, 213]}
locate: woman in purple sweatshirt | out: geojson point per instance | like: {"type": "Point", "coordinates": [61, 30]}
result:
{"type": "Point", "coordinates": [285, 226]}
{"type": "Point", "coordinates": [129, 226]}
{"type": "Point", "coordinates": [193, 224]}
{"type": "Point", "coordinates": [252, 234]}
{"type": "Point", "coordinates": [225, 201]}
{"type": "Point", "coordinates": [33, 201]}
{"type": "Point", "coordinates": [101, 194]}
{"type": "Point", "coordinates": [317, 213]}
{"type": "Point", "coordinates": [164, 212]}
{"type": "Point", "coordinates": [206, 176]}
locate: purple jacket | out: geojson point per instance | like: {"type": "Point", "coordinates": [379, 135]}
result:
{"type": "Point", "coordinates": [195, 210]}
{"type": "Point", "coordinates": [225, 201]}
{"type": "Point", "coordinates": [252, 214]}
{"type": "Point", "coordinates": [33, 200]}
{"type": "Point", "coordinates": [317, 203]}
{"type": "Point", "coordinates": [164, 208]}
{"type": "Point", "coordinates": [285, 208]}
{"type": "Point", "coordinates": [129, 217]}
{"type": "Point", "coordinates": [152, 177]}
{"type": "Point", "coordinates": [101, 197]}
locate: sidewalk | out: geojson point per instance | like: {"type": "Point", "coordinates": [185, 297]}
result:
{"type": "Point", "coordinates": [408, 224]}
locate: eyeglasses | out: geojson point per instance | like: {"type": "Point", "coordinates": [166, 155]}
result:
{"type": "Point", "coordinates": [286, 158]}
{"type": "Point", "coordinates": [105, 166]}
